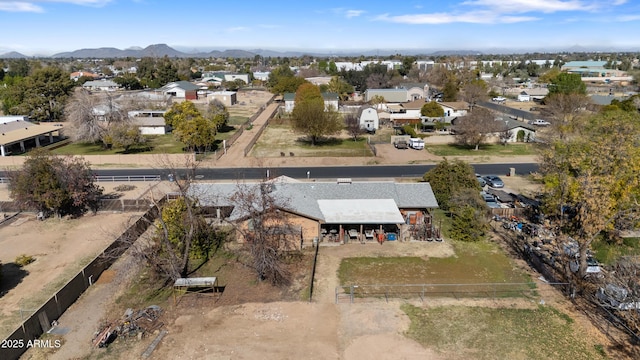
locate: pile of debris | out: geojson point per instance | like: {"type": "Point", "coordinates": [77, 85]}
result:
{"type": "Point", "coordinates": [133, 324]}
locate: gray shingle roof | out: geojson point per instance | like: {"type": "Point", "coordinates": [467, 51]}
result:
{"type": "Point", "coordinates": [302, 197]}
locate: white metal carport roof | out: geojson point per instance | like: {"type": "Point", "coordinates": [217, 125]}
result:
{"type": "Point", "coordinates": [360, 211]}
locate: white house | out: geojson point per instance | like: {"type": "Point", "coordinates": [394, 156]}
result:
{"type": "Point", "coordinates": [523, 96]}
{"type": "Point", "coordinates": [527, 132]}
{"type": "Point", "coordinates": [261, 75]}
{"type": "Point", "coordinates": [454, 109]}
{"type": "Point", "coordinates": [180, 89]}
{"type": "Point", "coordinates": [228, 98]}
{"type": "Point", "coordinates": [150, 122]}
{"type": "Point", "coordinates": [330, 100]}
{"type": "Point", "coordinates": [100, 85]}
{"type": "Point", "coordinates": [368, 117]}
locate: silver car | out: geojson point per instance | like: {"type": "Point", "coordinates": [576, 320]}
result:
{"type": "Point", "coordinates": [494, 181]}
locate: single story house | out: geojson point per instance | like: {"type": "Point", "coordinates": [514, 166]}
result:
{"type": "Point", "coordinates": [180, 89]}
{"type": "Point", "coordinates": [368, 118]}
{"type": "Point", "coordinates": [17, 134]}
{"type": "Point", "coordinates": [514, 127]}
{"type": "Point", "coordinates": [101, 85]}
{"type": "Point", "coordinates": [228, 98]}
{"type": "Point", "coordinates": [524, 96]}
{"type": "Point", "coordinates": [399, 95]}
{"type": "Point", "coordinates": [150, 122]}
{"type": "Point", "coordinates": [330, 100]}
{"type": "Point", "coordinates": [454, 109]}
{"type": "Point", "coordinates": [78, 74]}
{"type": "Point", "coordinates": [416, 91]}
{"type": "Point", "coordinates": [219, 77]}
{"type": "Point", "coordinates": [335, 212]}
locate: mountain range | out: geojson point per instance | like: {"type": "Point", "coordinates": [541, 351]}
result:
{"type": "Point", "coordinates": [162, 50]}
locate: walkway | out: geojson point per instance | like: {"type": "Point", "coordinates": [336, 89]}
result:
{"type": "Point", "coordinates": [235, 153]}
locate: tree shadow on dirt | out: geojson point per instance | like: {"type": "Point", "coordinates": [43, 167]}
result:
{"type": "Point", "coordinates": [12, 275]}
{"type": "Point", "coordinates": [331, 141]}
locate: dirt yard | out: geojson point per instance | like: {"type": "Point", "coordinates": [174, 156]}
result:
{"type": "Point", "coordinates": [60, 247]}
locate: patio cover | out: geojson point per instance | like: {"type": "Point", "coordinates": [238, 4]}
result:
{"type": "Point", "coordinates": [360, 211]}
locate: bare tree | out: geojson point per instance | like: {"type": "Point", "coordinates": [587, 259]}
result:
{"type": "Point", "coordinates": [267, 232]}
{"type": "Point", "coordinates": [473, 129]}
{"type": "Point", "coordinates": [91, 116]}
{"type": "Point", "coordinates": [474, 92]}
{"type": "Point", "coordinates": [564, 111]}
{"type": "Point", "coordinates": [352, 125]}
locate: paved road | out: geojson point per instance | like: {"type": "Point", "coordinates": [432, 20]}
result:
{"type": "Point", "coordinates": [328, 172]}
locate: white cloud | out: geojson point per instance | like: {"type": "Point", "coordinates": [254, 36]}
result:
{"type": "Point", "coordinates": [522, 6]}
{"type": "Point", "coordinates": [34, 6]}
{"type": "Point", "coordinates": [353, 13]}
{"type": "Point", "coordinates": [626, 18]}
{"type": "Point", "coordinates": [475, 17]}
{"type": "Point", "coordinates": [17, 6]}
{"type": "Point", "coordinates": [502, 11]}
{"type": "Point", "coordinates": [237, 29]}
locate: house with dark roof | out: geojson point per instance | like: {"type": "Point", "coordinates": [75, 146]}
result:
{"type": "Point", "coordinates": [332, 212]}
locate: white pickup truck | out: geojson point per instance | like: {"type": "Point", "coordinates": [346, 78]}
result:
{"type": "Point", "coordinates": [416, 143]}
{"type": "Point", "coordinates": [539, 122]}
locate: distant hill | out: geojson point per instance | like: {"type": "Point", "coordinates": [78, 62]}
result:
{"type": "Point", "coordinates": [156, 50]}
{"type": "Point", "coordinates": [13, 55]}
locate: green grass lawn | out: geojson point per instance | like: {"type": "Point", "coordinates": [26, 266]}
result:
{"type": "Point", "coordinates": [609, 253]}
{"type": "Point", "coordinates": [484, 150]}
{"type": "Point", "coordinates": [502, 333]}
{"type": "Point", "coordinates": [156, 144]}
{"type": "Point", "coordinates": [473, 263]}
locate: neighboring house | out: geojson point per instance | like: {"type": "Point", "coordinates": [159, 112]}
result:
{"type": "Point", "coordinates": [400, 95]}
{"type": "Point", "coordinates": [180, 89]}
{"type": "Point", "coordinates": [100, 85]}
{"type": "Point", "coordinates": [368, 118]}
{"type": "Point", "coordinates": [416, 91]}
{"type": "Point", "coordinates": [78, 74]}
{"type": "Point", "coordinates": [228, 98]}
{"type": "Point", "coordinates": [514, 127]}
{"type": "Point", "coordinates": [523, 96]}
{"type": "Point", "coordinates": [454, 109]}
{"type": "Point", "coordinates": [319, 80]}
{"type": "Point", "coordinates": [219, 77]}
{"type": "Point", "coordinates": [330, 100]}
{"type": "Point", "coordinates": [595, 71]}
{"type": "Point", "coordinates": [407, 113]}
{"type": "Point", "coordinates": [159, 100]}
{"type": "Point", "coordinates": [261, 75]}
{"type": "Point", "coordinates": [150, 122]}
{"type": "Point", "coordinates": [342, 211]}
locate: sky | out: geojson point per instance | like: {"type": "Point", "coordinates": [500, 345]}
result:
{"type": "Point", "coordinates": [46, 27]}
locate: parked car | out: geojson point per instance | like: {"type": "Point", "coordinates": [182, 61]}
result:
{"type": "Point", "coordinates": [487, 197]}
{"type": "Point", "coordinates": [481, 180]}
{"type": "Point", "coordinates": [401, 144]}
{"type": "Point", "coordinates": [494, 181]}
{"type": "Point", "coordinates": [499, 99]}
{"type": "Point", "coordinates": [539, 122]}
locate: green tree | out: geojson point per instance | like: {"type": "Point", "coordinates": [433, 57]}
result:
{"type": "Point", "coordinates": [128, 81]}
{"type": "Point", "coordinates": [190, 126]}
{"type": "Point", "coordinates": [339, 86]}
{"type": "Point", "coordinates": [469, 215]}
{"type": "Point", "coordinates": [124, 135]}
{"type": "Point", "coordinates": [283, 80]}
{"type": "Point", "coordinates": [217, 113]}
{"type": "Point", "coordinates": [432, 109]}
{"type": "Point", "coordinates": [566, 83]}
{"type": "Point", "coordinates": [448, 178]}
{"type": "Point", "coordinates": [43, 95]}
{"type": "Point", "coordinates": [310, 117]}
{"type": "Point", "coordinates": [450, 91]}
{"type": "Point", "coordinates": [594, 173]}
{"type": "Point", "coordinates": [53, 184]}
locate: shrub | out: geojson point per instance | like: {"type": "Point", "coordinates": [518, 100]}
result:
{"type": "Point", "coordinates": [124, 187]}
{"type": "Point", "coordinates": [23, 260]}
{"type": "Point", "coordinates": [408, 129]}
